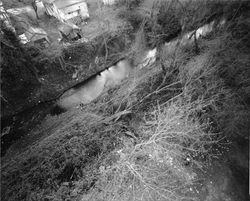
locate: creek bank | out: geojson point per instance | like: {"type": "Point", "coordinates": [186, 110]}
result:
{"type": "Point", "coordinates": [85, 94]}
{"type": "Point", "coordinates": [23, 122]}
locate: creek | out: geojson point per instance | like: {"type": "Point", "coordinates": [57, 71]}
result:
{"type": "Point", "coordinates": [19, 125]}
{"type": "Point", "coordinates": [84, 92]}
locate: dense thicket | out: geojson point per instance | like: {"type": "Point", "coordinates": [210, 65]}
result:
{"type": "Point", "coordinates": [18, 72]}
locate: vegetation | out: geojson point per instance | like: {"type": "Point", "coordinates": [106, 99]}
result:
{"type": "Point", "coordinates": [18, 70]}
{"type": "Point", "coordinates": [158, 134]}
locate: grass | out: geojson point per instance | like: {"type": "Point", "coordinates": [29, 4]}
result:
{"type": "Point", "coordinates": [151, 138]}
{"type": "Point", "coordinates": [63, 155]}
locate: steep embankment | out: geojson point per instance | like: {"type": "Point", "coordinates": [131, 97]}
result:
{"type": "Point", "coordinates": [174, 130]}
{"type": "Point", "coordinates": [84, 60]}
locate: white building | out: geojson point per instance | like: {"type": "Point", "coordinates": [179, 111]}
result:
{"type": "Point", "coordinates": [72, 8]}
{"type": "Point", "coordinates": [34, 35]}
{"type": "Point", "coordinates": [67, 9]}
{"type": "Point", "coordinates": [109, 2]}
{"type": "Point", "coordinates": [71, 31]}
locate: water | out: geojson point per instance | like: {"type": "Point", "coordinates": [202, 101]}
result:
{"type": "Point", "coordinates": [92, 88]}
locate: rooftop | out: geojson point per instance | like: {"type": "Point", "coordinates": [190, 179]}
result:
{"type": "Point", "coordinates": [65, 3]}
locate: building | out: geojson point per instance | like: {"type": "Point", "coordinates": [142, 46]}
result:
{"type": "Point", "coordinates": [69, 32]}
{"type": "Point", "coordinates": [68, 10]}
{"type": "Point", "coordinates": [20, 17]}
{"type": "Point", "coordinates": [73, 8]}
{"type": "Point", "coordinates": [109, 2]}
{"type": "Point", "coordinates": [35, 35]}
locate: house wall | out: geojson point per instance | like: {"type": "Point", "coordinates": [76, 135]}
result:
{"type": "Point", "coordinates": [71, 15]}
{"type": "Point", "coordinates": [64, 12]}
{"type": "Point", "coordinates": [108, 2]}
{"type": "Point", "coordinates": [34, 34]}
{"type": "Point", "coordinates": [84, 10]}
{"type": "Point", "coordinates": [76, 9]}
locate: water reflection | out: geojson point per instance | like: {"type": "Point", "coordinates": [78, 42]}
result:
{"type": "Point", "coordinates": [92, 88]}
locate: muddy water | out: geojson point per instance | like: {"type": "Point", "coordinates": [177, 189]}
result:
{"type": "Point", "coordinates": [90, 90]}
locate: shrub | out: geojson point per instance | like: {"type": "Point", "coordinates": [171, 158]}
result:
{"type": "Point", "coordinates": [155, 168]}
{"type": "Point", "coordinates": [129, 4]}
{"type": "Point", "coordinates": [133, 17]}
{"type": "Point", "coordinates": [160, 24]}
